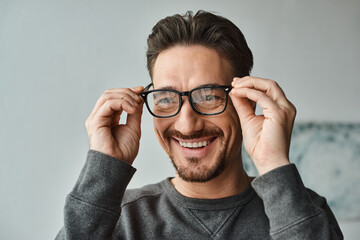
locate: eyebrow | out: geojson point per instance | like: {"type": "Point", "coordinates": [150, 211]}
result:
{"type": "Point", "coordinates": [167, 87]}
{"type": "Point", "coordinates": [203, 85]}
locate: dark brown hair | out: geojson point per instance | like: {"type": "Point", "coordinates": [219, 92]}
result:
{"type": "Point", "coordinates": [203, 28]}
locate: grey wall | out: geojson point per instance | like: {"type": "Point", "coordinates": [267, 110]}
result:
{"type": "Point", "coordinates": [57, 57]}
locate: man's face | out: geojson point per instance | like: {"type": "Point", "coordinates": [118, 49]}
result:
{"type": "Point", "coordinates": [184, 68]}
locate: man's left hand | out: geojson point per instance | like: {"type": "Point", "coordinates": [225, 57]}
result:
{"type": "Point", "coordinates": [266, 137]}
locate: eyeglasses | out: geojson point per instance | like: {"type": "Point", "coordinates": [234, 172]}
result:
{"type": "Point", "coordinates": [205, 100]}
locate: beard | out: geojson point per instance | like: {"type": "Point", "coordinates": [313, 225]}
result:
{"type": "Point", "coordinates": [195, 171]}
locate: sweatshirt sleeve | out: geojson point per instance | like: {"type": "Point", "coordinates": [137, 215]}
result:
{"type": "Point", "coordinates": [93, 207]}
{"type": "Point", "coordinates": [294, 212]}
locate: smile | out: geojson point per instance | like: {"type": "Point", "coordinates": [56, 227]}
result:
{"type": "Point", "coordinates": [194, 144]}
{"type": "Point", "coordinates": [196, 147]}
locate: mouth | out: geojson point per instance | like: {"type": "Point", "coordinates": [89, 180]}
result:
{"type": "Point", "coordinates": [195, 147]}
{"type": "Point", "coordinates": [195, 143]}
{"type": "Point", "coordinates": [199, 144]}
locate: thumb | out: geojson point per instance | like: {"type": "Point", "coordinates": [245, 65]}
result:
{"type": "Point", "coordinates": [137, 89]}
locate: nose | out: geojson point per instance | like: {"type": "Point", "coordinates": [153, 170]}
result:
{"type": "Point", "coordinates": [188, 121]}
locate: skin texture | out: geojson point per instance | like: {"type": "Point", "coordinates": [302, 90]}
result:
{"type": "Point", "coordinates": [184, 68]}
{"type": "Point", "coordinates": [106, 134]}
{"type": "Point", "coordinates": [215, 171]}
{"type": "Point", "coordinates": [266, 137]}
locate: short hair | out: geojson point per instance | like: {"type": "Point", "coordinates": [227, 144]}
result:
{"type": "Point", "coordinates": [205, 29]}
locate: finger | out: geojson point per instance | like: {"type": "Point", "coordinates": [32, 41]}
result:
{"type": "Point", "coordinates": [113, 106]}
{"type": "Point", "coordinates": [264, 101]}
{"type": "Point", "coordinates": [269, 87]}
{"type": "Point", "coordinates": [133, 121]}
{"type": "Point", "coordinates": [116, 118]}
{"type": "Point", "coordinates": [134, 92]}
{"type": "Point", "coordinates": [242, 107]}
{"type": "Point", "coordinates": [121, 94]}
{"type": "Point", "coordinates": [138, 89]}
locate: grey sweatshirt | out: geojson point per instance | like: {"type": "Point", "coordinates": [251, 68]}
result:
{"type": "Point", "coordinates": [275, 206]}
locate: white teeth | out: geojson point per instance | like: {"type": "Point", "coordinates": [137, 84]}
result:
{"type": "Point", "coordinates": [195, 144]}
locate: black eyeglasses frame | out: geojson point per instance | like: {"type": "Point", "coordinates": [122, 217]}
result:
{"type": "Point", "coordinates": [146, 91]}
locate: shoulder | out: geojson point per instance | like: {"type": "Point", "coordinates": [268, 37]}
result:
{"type": "Point", "coordinates": [318, 200]}
{"type": "Point", "coordinates": [144, 193]}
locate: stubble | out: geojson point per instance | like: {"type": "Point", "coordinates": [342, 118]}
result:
{"type": "Point", "coordinates": [195, 170]}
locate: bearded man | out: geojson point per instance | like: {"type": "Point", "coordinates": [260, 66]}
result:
{"type": "Point", "coordinates": [203, 101]}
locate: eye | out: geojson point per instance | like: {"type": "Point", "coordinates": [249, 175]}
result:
{"type": "Point", "coordinates": [165, 101]}
{"type": "Point", "coordinates": [210, 97]}
{"type": "Point", "coordinates": [165, 98]}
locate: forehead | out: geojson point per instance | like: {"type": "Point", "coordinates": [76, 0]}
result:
{"type": "Point", "coordinates": [187, 67]}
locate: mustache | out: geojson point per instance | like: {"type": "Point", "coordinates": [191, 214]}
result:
{"type": "Point", "coordinates": [209, 132]}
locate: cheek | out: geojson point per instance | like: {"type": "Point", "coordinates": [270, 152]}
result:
{"type": "Point", "coordinates": [233, 125]}
{"type": "Point", "coordinates": [236, 136]}
{"type": "Point", "coordinates": [160, 126]}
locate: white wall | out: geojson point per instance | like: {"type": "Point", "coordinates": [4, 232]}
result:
{"type": "Point", "coordinates": [57, 57]}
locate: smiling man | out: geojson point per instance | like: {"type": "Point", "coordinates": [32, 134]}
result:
{"type": "Point", "coordinates": [203, 102]}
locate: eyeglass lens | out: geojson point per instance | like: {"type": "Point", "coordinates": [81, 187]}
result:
{"type": "Point", "coordinates": [163, 103]}
{"type": "Point", "coordinates": [208, 100]}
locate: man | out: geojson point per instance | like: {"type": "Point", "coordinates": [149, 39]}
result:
{"type": "Point", "coordinates": [203, 102]}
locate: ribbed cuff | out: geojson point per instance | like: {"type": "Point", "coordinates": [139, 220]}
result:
{"type": "Point", "coordinates": [103, 181]}
{"type": "Point", "coordinates": [285, 197]}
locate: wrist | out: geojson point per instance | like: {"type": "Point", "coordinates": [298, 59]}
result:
{"type": "Point", "coordinates": [112, 153]}
{"type": "Point", "coordinates": [271, 165]}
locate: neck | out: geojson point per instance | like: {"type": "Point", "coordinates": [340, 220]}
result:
{"type": "Point", "coordinates": [233, 180]}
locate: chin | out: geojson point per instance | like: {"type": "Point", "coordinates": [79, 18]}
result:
{"type": "Point", "coordinates": [191, 169]}
{"type": "Point", "coordinates": [200, 175]}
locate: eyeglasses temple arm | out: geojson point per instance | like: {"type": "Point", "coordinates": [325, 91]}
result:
{"type": "Point", "coordinates": [147, 87]}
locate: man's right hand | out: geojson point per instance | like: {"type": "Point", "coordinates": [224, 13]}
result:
{"type": "Point", "coordinates": [106, 135]}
